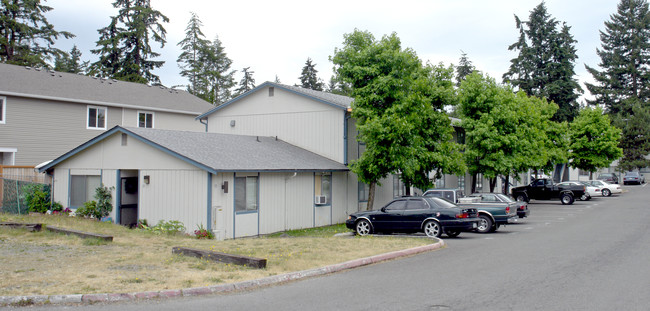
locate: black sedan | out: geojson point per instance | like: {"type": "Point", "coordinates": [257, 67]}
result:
{"type": "Point", "coordinates": [431, 215]}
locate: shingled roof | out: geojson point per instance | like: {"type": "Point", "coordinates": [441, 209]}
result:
{"type": "Point", "coordinates": [216, 152]}
{"type": "Point", "coordinates": [339, 101]}
{"type": "Point", "coordinates": [60, 86]}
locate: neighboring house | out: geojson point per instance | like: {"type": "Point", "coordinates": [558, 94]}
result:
{"type": "Point", "coordinates": [235, 185]}
{"type": "Point", "coordinates": [44, 114]}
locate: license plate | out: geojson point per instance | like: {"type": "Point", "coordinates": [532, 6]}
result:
{"type": "Point", "coordinates": [474, 226]}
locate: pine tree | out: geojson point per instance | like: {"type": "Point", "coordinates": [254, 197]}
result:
{"type": "Point", "coordinates": [464, 68]}
{"type": "Point", "coordinates": [192, 46]}
{"type": "Point", "coordinates": [216, 79]}
{"type": "Point", "coordinates": [123, 47]}
{"type": "Point", "coordinates": [623, 84]}
{"type": "Point", "coordinates": [246, 83]}
{"type": "Point", "coordinates": [26, 37]}
{"type": "Point", "coordinates": [309, 78]}
{"type": "Point", "coordinates": [71, 62]}
{"type": "Point", "coordinates": [545, 64]}
{"type": "Point", "coordinates": [624, 59]}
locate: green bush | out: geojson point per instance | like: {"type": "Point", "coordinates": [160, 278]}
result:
{"type": "Point", "coordinates": [37, 198]}
{"type": "Point", "coordinates": [166, 227]}
{"type": "Point", "coordinates": [88, 210]}
{"type": "Point", "coordinates": [100, 207]}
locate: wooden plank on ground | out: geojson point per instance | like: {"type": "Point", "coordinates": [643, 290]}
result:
{"type": "Point", "coordinates": [17, 225]}
{"type": "Point", "coordinates": [85, 235]}
{"type": "Point", "coordinates": [221, 257]}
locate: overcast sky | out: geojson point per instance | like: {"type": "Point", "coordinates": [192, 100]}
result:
{"type": "Point", "coordinates": [276, 37]}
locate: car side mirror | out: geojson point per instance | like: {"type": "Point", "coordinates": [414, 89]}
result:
{"type": "Point", "coordinates": [383, 209]}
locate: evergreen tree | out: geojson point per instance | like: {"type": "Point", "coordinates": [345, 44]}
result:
{"type": "Point", "coordinates": [339, 87]}
{"type": "Point", "coordinates": [277, 79]}
{"type": "Point", "coordinates": [192, 46]}
{"type": "Point", "coordinates": [123, 47]}
{"type": "Point", "coordinates": [624, 60]}
{"type": "Point", "coordinates": [71, 62]}
{"type": "Point", "coordinates": [309, 78]}
{"type": "Point", "coordinates": [545, 64]}
{"type": "Point", "coordinates": [216, 79]}
{"type": "Point", "coordinates": [246, 83]}
{"type": "Point", "coordinates": [464, 68]}
{"type": "Point", "coordinates": [26, 37]}
{"type": "Point", "coordinates": [623, 84]}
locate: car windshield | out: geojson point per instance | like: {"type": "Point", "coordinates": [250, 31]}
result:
{"type": "Point", "coordinates": [434, 201]}
{"type": "Point", "coordinates": [633, 174]}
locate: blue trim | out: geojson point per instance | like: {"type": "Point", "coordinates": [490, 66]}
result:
{"type": "Point", "coordinates": [313, 195]}
{"type": "Point", "coordinates": [258, 203]}
{"type": "Point", "coordinates": [69, 186]}
{"type": "Point", "coordinates": [234, 206]}
{"type": "Point", "coordinates": [261, 86]}
{"type": "Point", "coordinates": [246, 212]}
{"type": "Point", "coordinates": [345, 138]}
{"type": "Point", "coordinates": [209, 226]}
{"type": "Point", "coordinates": [125, 131]}
{"type": "Point", "coordinates": [118, 196]}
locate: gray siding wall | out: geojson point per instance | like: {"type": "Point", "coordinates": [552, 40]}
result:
{"type": "Point", "coordinates": [43, 130]}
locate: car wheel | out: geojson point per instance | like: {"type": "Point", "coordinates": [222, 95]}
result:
{"type": "Point", "coordinates": [484, 224]}
{"type": "Point", "coordinates": [363, 227]}
{"type": "Point", "coordinates": [606, 192]}
{"type": "Point", "coordinates": [585, 197]}
{"type": "Point", "coordinates": [522, 198]}
{"type": "Point", "coordinates": [432, 229]}
{"type": "Point", "coordinates": [566, 199]}
{"type": "Point", "coordinates": [452, 234]}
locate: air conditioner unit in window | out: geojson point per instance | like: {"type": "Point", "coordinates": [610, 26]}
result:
{"type": "Point", "coordinates": [320, 199]}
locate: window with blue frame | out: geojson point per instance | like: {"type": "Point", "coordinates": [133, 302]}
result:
{"type": "Point", "coordinates": [246, 194]}
{"type": "Point", "coordinates": [323, 187]}
{"type": "Point", "coordinates": [82, 189]}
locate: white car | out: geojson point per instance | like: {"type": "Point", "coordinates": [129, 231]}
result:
{"type": "Point", "coordinates": [607, 189]}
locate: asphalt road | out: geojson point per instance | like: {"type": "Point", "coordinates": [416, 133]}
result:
{"type": "Point", "coordinates": [591, 255]}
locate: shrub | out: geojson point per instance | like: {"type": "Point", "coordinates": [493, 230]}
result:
{"type": "Point", "coordinates": [57, 207]}
{"type": "Point", "coordinates": [102, 207]}
{"type": "Point", "coordinates": [202, 233]}
{"type": "Point", "coordinates": [167, 227]}
{"type": "Point", "coordinates": [142, 224]}
{"type": "Point", "coordinates": [37, 198]}
{"type": "Point", "coordinates": [88, 210]}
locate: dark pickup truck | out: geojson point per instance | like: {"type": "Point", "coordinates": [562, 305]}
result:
{"type": "Point", "coordinates": [546, 189]}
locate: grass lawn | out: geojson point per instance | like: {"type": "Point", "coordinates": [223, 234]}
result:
{"type": "Point", "coordinates": [46, 263]}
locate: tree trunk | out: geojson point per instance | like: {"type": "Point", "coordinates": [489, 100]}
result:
{"type": "Point", "coordinates": [591, 175]}
{"type": "Point", "coordinates": [407, 190]}
{"type": "Point", "coordinates": [473, 188]}
{"type": "Point", "coordinates": [371, 196]}
{"type": "Point", "coordinates": [493, 183]}
{"type": "Point", "coordinates": [506, 186]}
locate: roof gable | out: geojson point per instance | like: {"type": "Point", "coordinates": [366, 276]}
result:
{"type": "Point", "coordinates": [215, 152]}
{"type": "Point", "coordinates": [60, 86]}
{"type": "Point", "coordinates": [337, 101]}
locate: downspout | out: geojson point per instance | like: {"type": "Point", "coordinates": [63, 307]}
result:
{"type": "Point", "coordinates": [346, 117]}
{"type": "Point", "coordinates": [206, 124]}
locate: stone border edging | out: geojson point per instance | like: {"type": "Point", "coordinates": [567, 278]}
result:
{"type": "Point", "coordinates": [222, 288]}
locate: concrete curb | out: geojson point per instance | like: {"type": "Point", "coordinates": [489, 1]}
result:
{"type": "Point", "coordinates": [216, 289]}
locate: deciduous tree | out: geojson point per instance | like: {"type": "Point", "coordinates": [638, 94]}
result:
{"type": "Point", "coordinates": [398, 105]}
{"type": "Point", "coordinates": [594, 141]}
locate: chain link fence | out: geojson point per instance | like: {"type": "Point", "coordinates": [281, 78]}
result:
{"type": "Point", "coordinates": [14, 184]}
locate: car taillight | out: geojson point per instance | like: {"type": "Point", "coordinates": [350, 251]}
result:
{"type": "Point", "coordinates": [507, 209]}
{"type": "Point", "coordinates": [462, 215]}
